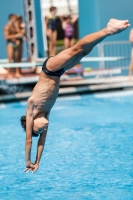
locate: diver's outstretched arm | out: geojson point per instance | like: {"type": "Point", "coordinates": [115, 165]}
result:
{"type": "Point", "coordinates": [40, 147]}
{"type": "Point", "coordinates": [28, 141]}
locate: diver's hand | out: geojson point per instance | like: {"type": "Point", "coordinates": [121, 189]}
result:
{"type": "Point", "coordinates": [115, 26]}
{"type": "Point", "coordinates": [29, 167]}
{"type": "Point", "coordinates": [35, 167]}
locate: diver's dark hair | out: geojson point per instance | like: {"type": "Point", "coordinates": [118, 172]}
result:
{"type": "Point", "coordinates": [10, 16]}
{"type": "Point", "coordinates": [23, 124]}
{"type": "Point", "coordinates": [52, 8]}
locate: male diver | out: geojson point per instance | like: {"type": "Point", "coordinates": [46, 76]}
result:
{"type": "Point", "coordinates": [45, 93]}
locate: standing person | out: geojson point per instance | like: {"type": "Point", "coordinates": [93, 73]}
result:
{"type": "Point", "coordinates": [131, 62]}
{"type": "Point", "coordinates": [51, 30]}
{"type": "Point", "coordinates": [11, 36]}
{"type": "Point", "coordinates": [45, 93]}
{"type": "Point", "coordinates": [68, 28]}
{"type": "Point", "coordinates": [19, 28]}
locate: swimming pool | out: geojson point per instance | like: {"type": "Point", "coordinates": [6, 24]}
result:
{"type": "Point", "coordinates": [88, 153]}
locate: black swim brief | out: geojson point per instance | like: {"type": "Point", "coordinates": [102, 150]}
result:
{"type": "Point", "coordinates": [48, 72]}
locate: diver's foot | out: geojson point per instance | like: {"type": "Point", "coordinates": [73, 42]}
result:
{"type": "Point", "coordinates": [115, 26]}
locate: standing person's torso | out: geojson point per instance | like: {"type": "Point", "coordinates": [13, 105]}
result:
{"type": "Point", "coordinates": [20, 39]}
{"type": "Point", "coordinates": [69, 30]}
{"type": "Point", "coordinates": [52, 23]}
{"type": "Point", "coordinates": [11, 31]}
{"type": "Point", "coordinates": [19, 29]}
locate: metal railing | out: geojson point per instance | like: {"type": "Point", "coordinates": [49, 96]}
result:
{"type": "Point", "coordinates": [115, 48]}
{"type": "Point", "coordinates": [111, 49]}
{"type": "Point", "coordinates": [103, 56]}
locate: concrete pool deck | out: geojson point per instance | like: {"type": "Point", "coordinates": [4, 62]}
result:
{"type": "Point", "coordinates": [81, 86]}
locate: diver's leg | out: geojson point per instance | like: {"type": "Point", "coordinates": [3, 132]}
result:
{"type": "Point", "coordinates": [68, 57]}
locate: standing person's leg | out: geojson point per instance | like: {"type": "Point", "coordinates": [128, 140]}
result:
{"type": "Point", "coordinates": [10, 55]}
{"type": "Point", "coordinates": [16, 60]}
{"type": "Point", "coordinates": [66, 43]}
{"type": "Point", "coordinates": [54, 38]}
{"type": "Point", "coordinates": [70, 57]}
{"type": "Point", "coordinates": [72, 42]}
{"type": "Point", "coordinates": [50, 41]}
{"type": "Point", "coordinates": [20, 54]}
{"type": "Point", "coordinates": [131, 66]}
{"type": "Point", "coordinates": [20, 51]}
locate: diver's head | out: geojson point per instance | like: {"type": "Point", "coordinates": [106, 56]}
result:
{"type": "Point", "coordinates": [39, 125]}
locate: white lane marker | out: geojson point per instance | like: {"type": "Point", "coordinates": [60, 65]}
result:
{"type": "Point", "coordinates": [76, 97]}
{"type": "Point", "coordinates": [113, 94]}
{"type": "Point", "coordinates": [2, 105]}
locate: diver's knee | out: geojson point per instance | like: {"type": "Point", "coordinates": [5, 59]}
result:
{"type": "Point", "coordinates": [76, 49]}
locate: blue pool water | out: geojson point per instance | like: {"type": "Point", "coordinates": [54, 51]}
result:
{"type": "Point", "coordinates": [88, 153]}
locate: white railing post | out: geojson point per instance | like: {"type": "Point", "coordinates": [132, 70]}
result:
{"type": "Point", "coordinates": [101, 54]}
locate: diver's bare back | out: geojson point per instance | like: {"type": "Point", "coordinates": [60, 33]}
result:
{"type": "Point", "coordinates": [45, 93]}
